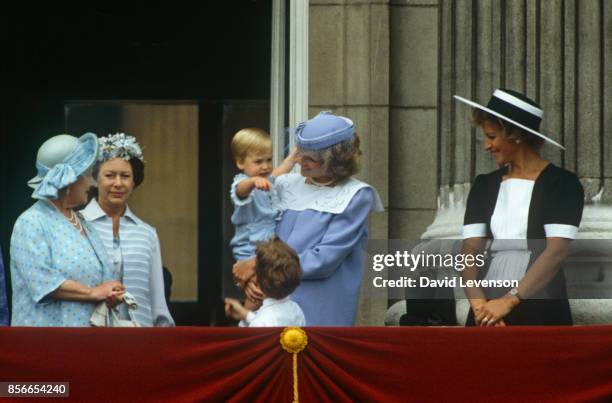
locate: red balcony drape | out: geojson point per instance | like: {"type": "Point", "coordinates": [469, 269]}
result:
{"type": "Point", "coordinates": [338, 364]}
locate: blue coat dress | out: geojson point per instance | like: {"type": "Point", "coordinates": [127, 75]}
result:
{"type": "Point", "coordinates": [331, 247]}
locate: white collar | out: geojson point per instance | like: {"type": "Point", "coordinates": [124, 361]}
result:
{"type": "Point", "coordinates": [93, 212]}
{"type": "Point", "coordinates": [293, 193]}
{"type": "Point", "coordinates": [272, 301]}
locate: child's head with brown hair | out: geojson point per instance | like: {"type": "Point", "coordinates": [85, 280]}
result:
{"type": "Point", "coordinates": [278, 268]}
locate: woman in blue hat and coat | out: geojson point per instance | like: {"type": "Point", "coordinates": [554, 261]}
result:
{"type": "Point", "coordinates": [529, 209]}
{"type": "Point", "coordinates": [325, 212]}
{"type": "Point", "coordinates": [59, 267]}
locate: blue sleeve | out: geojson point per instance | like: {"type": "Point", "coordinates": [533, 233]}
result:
{"type": "Point", "coordinates": [3, 300]}
{"type": "Point", "coordinates": [236, 200]}
{"type": "Point", "coordinates": [159, 308]}
{"type": "Point", "coordinates": [108, 268]}
{"type": "Point", "coordinates": [31, 259]}
{"type": "Point", "coordinates": [341, 236]}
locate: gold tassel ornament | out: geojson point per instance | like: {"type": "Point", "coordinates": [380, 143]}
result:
{"type": "Point", "coordinates": [293, 340]}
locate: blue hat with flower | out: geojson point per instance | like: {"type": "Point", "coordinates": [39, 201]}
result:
{"type": "Point", "coordinates": [60, 161]}
{"type": "Point", "coordinates": [119, 145]}
{"type": "Point", "coordinates": [323, 131]}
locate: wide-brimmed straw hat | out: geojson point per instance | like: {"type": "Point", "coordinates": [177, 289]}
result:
{"type": "Point", "coordinates": [515, 108]}
{"type": "Point", "coordinates": [60, 161]}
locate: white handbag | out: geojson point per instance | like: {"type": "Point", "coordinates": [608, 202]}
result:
{"type": "Point", "coordinates": [103, 316]}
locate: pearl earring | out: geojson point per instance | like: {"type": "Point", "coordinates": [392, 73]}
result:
{"type": "Point", "coordinates": [518, 141]}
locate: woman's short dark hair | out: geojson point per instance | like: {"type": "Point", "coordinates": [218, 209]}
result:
{"type": "Point", "coordinates": [278, 268]}
{"type": "Point", "coordinates": [138, 168]}
{"type": "Point", "coordinates": [511, 132]}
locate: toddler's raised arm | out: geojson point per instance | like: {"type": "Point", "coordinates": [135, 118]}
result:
{"type": "Point", "coordinates": [287, 165]}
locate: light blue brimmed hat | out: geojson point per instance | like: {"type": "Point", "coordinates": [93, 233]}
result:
{"type": "Point", "coordinates": [323, 131]}
{"type": "Point", "coordinates": [60, 161]}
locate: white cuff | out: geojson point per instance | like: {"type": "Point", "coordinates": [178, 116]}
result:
{"type": "Point", "coordinates": [474, 230]}
{"type": "Point", "coordinates": [560, 231]}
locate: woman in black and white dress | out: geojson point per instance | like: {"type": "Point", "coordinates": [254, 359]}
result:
{"type": "Point", "coordinates": [530, 209]}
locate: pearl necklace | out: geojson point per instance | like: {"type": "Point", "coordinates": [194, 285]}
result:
{"type": "Point", "coordinates": [320, 184]}
{"type": "Point", "coordinates": [73, 219]}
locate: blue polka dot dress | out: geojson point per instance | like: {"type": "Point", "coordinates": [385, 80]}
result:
{"type": "Point", "coordinates": [46, 250]}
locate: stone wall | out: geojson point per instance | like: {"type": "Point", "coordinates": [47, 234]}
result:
{"type": "Point", "coordinates": [349, 75]}
{"type": "Point", "coordinates": [393, 66]}
{"type": "Point", "coordinates": [413, 160]}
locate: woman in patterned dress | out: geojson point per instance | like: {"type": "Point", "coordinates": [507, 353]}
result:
{"type": "Point", "coordinates": [59, 267]}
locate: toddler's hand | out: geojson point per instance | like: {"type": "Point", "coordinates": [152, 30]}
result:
{"type": "Point", "coordinates": [262, 183]}
{"type": "Point", "coordinates": [234, 309]}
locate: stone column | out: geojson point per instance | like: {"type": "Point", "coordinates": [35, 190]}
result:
{"type": "Point", "coordinates": [349, 75]}
{"type": "Point", "coordinates": [560, 54]}
{"type": "Point", "coordinates": [414, 160]}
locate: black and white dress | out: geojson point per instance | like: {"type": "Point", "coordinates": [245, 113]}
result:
{"type": "Point", "coordinates": [517, 215]}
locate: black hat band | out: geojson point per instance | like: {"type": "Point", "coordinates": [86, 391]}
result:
{"type": "Point", "coordinates": [515, 113]}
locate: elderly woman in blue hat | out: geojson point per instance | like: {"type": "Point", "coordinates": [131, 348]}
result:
{"type": "Point", "coordinates": [59, 267]}
{"type": "Point", "coordinates": [529, 200]}
{"type": "Point", "coordinates": [325, 212]}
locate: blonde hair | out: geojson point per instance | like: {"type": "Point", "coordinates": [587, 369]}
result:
{"type": "Point", "coordinates": [249, 140]}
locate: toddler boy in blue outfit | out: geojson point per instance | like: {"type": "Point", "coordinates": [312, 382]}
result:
{"type": "Point", "coordinates": [254, 215]}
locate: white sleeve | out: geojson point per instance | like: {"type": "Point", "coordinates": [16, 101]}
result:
{"type": "Point", "coordinates": [248, 321]}
{"type": "Point", "coordinates": [478, 230]}
{"type": "Point", "coordinates": [561, 231]}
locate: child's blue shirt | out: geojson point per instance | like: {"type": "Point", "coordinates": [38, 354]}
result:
{"type": "Point", "coordinates": [254, 218]}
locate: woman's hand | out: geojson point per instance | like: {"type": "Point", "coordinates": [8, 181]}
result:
{"type": "Point", "coordinates": [243, 270]}
{"type": "Point", "coordinates": [115, 299]}
{"type": "Point", "coordinates": [492, 312]}
{"type": "Point", "coordinates": [253, 291]}
{"type": "Point", "coordinates": [477, 304]}
{"type": "Point", "coordinates": [235, 310]}
{"type": "Point", "coordinates": [110, 291]}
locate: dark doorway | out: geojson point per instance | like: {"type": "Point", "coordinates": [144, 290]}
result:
{"type": "Point", "coordinates": [214, 54]}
